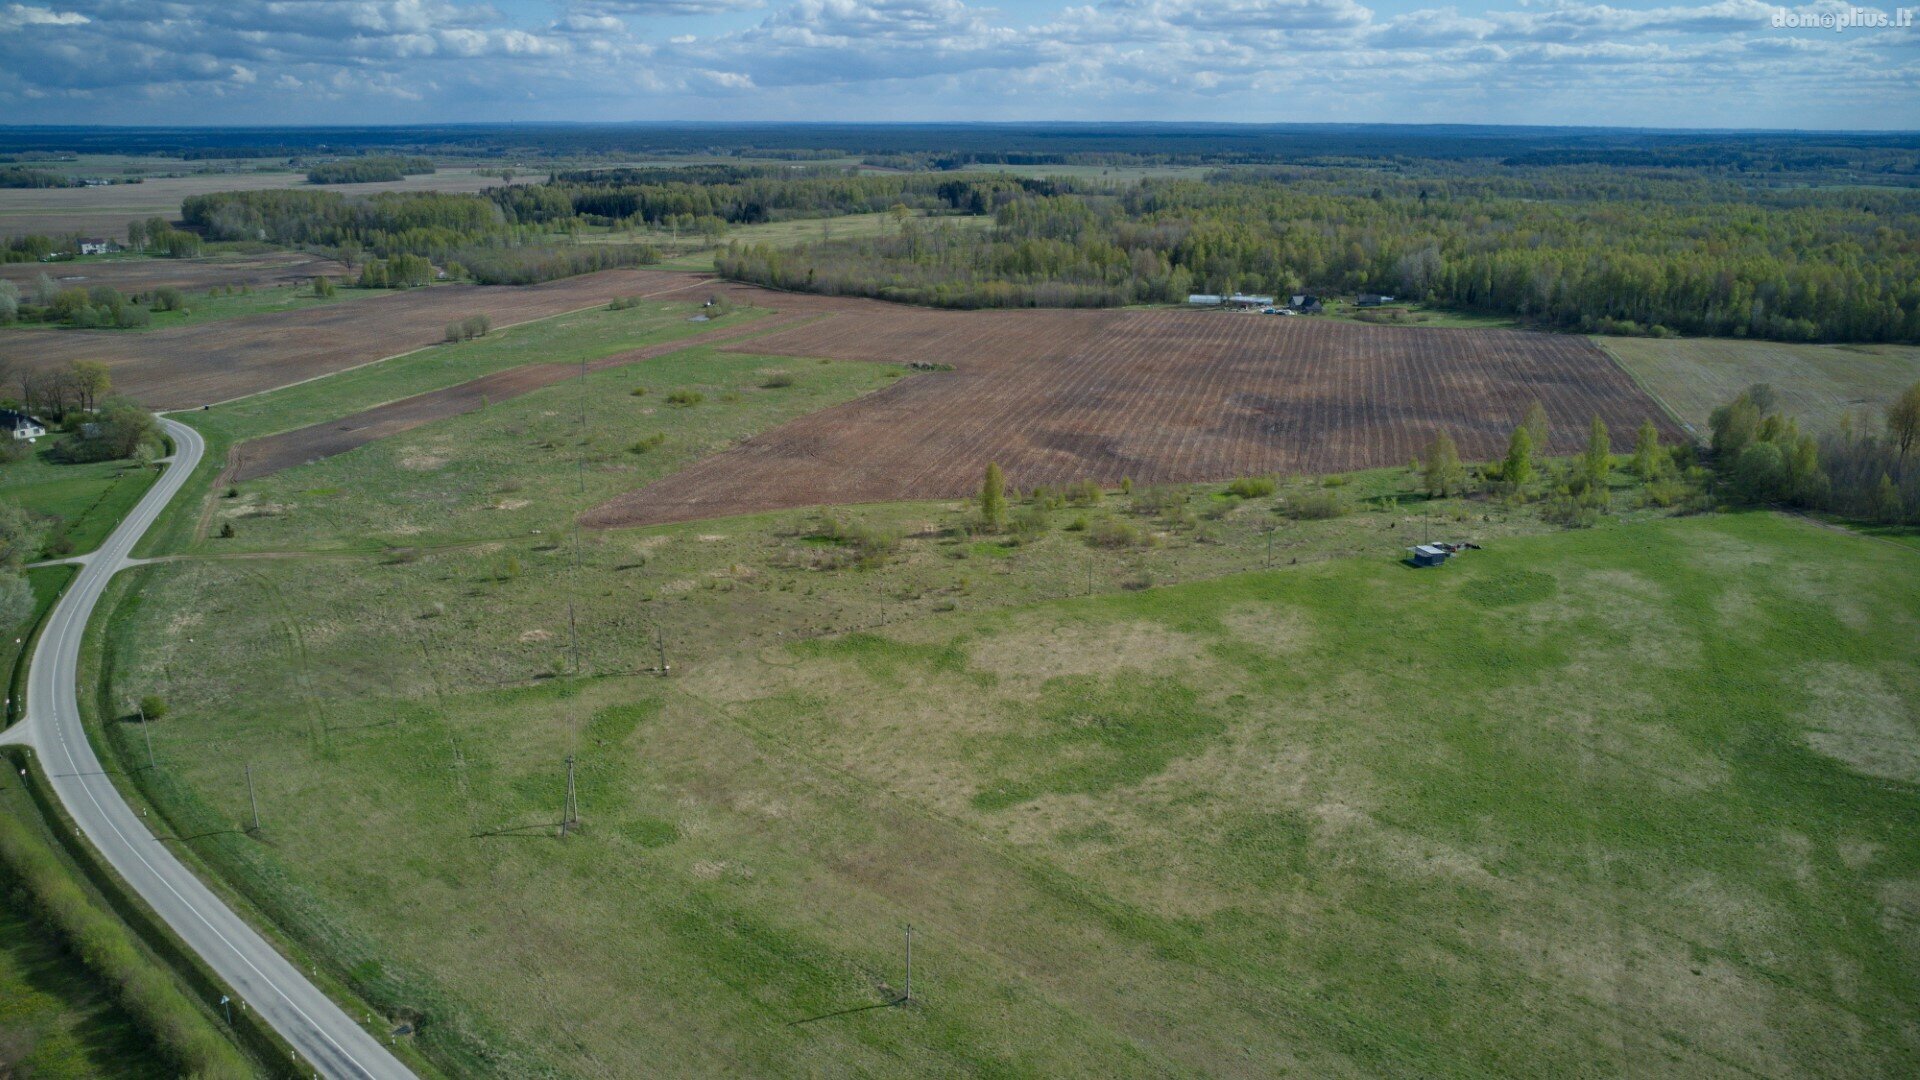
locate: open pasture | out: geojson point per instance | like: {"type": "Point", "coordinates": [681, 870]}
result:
{"type": "Point", "coordinates": [188, 366]}
{"type": "Point", "coordinates": [1156, 396]}
{"type": "Point", "coordinates": [1816, 383]}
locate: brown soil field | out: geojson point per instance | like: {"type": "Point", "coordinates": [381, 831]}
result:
{"type": "Point", "coordinates": [270, 454]}
{"type": "Point", "coordinates": [1157, 396]}
{"type": "Point", "coordinates": [105, 211]}
{"type": "Point", "coordinates": [141, 275]}
{"type": "Point", "coordinates": [186, 367]}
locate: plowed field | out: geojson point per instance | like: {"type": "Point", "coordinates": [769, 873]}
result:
{"type": "Point", "coordinates": [184, 367]}
{"type": "Point", "coordinates": [1158, 396]}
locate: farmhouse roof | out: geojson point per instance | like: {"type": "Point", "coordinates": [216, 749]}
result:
{"type": "Point", "coordinates": [1203, 298]}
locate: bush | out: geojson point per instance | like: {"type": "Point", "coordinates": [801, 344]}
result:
{"type": "Point", "coordinates": [1252, 487]}
{"type": "Point", "coordinates": [168, 298]}
{"type": "Point", "coordinates": [153, 707]}
{"type": "Point", "coordinates": [1114, 533]}
{"type": "Point", "coordinates": [685, 398]}
{"type": "Point", "coordinates": [1083, 493]}
{"type": "Point", "coordinates": [779, 380]}
{"type": "Point", "coordinates": [1317, 506]}
{"type": "Point", "coordinates": [226, 531]}
{"type": "Point", "coordinates": [473, 326]}
{"type": "Point", "coordinates": [648, 443]}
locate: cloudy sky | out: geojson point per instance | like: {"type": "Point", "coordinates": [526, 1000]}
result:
{"type": "Point", "coordinates": [1719, 64]}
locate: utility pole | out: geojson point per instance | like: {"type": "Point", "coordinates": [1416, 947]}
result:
{"type": "Point", "coordinates": [660, 643]}
{"type": "Point", "coordinates": [1269, 546]}
{"type": "Point", "coordinates": [148, 732]}
{"type": "Point", "coordinates": [908, 999]}
{"type": "Point", "coordinates": [570, 814]}
{"type": "Point", "coordinates": [251, 801]}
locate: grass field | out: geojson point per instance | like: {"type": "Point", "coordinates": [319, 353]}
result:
{"type": "Point", "coordinates": [203, 307]}
{"type": "Point", "coordinates": [693, 254]}
{"type": "Point", "coordinates": [1817, 384]}
{"type": "Point", "coordinates": [84, 502]}
{"type": "Point", "coordinates": [1635, 799]}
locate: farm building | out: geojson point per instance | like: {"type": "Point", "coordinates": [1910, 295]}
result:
{"type": "Point", "coordinates": [1305, 303]}
{"type": "Point", "coordinates": [1201, 299]}
{"type": "Point", "coordinates": [20, 425]}
{"type": "Point", "coordinates": [1249, 300]}
{"type": "Point", "coordinates": [1429, 554]}
{"type": "Point", "coordinates": [1373, 300]}
{"type": "Point", "coordinates": [96, 246]}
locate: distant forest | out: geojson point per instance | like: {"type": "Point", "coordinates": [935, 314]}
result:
{"type": "Point", "coordinates": [1797, 237]}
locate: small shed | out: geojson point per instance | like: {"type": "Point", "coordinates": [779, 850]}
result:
{"type": "Point", "coordinates": [1429, 554]}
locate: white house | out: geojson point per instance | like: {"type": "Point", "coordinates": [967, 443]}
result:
{"type": "Point", "coordinates": [93, 246]}
{"type": "Point", "coordinates": [20, 425]}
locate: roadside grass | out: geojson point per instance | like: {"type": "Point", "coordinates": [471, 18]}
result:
{"type": "Point", "coordinates": [47, 582]}
{"type": "Point", "coordinates": [523, 466]}
{"type": "Point", "coordinates": [1631, 798]}
{"type": "Point", "coordinates": [57, 1018]}
{"type": "Point", "coordinates": [81, 502]}
{"type": "Point", "coordinates": [1816, 383]}
{"type": "Point", "coordinates": [565, 339]}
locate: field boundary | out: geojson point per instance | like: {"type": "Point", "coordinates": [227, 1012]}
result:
{"type": "Point", "coordinates": [1672, 413]}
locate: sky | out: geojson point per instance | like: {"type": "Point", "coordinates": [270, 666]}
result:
{"type": "Point", "coordinates": [1726, 64]}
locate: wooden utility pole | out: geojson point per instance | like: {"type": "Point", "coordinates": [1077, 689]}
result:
{"type": "Point", "coordinates": [660, 643]}
{"type": "Point", "coordinates": [570, 813]}
{"type": "Point", "coordinates": [1269, 547]}
{"type": "Point", "coordinates": [908, 998]}
{"type": "Point", "coordinates": [251, 801]}
{"type": "Point", "coordinates": [148, 732]}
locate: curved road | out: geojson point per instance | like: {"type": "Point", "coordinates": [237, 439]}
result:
{"type": "Point", "coordinates": [326, 1039]}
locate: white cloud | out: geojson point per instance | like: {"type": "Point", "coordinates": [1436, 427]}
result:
{"type": "Point", "coordinates": [1561, 61]}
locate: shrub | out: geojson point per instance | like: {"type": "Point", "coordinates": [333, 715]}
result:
{"type": "Point", "coordinates": [648, 443]}
{"type": "Point", "coordinates": [779, 380]}
{"type": "Point", "coordinates": [1084, 493]}
{"type": "Point", "coordinates": [685, 398]}
{"type": "Point", "coordinates": [1030, 523]}
{"type": "Point", "coordinates": [1114, 533]}
{"type": "Point", "coordinates": [1252, 487]}
{"type": "Point", "coordinates": [153, 707]}
{"type": "Point", "coordinates": [226, 531]}
{"type": "Point", "coordinates": [1317, 506]}
{"type": "Point", "coordinates": [168, 298]}
{"type": "Point", "coordinates": [639, 391]}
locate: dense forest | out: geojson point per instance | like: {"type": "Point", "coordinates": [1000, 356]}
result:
{"type": "Point", "coordinates": [1598, 250]}
{"type": "Point", "coordinates": [367, 170]}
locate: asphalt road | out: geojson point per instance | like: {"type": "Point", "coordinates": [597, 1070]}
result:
{"type": "Point", "coordinates": [326, 1039]}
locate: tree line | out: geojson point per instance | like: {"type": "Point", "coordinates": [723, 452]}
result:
{"type": "Point", "coordinates": [366, 170]}
{"type": "Point", "coordinates": [1601, 253]}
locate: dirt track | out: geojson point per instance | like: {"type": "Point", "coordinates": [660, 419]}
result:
{"type": "Point", "coordinates": [186, 367]}
{"type": "Point", "coordinates": [1158, 396]}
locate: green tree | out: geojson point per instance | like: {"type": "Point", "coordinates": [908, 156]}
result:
{"type": "Point", "coordinates": [1535, 422]}
{"type": "Point", "coordinates": [1518, 468]}
{"type": "Point", "coordinates": [993, 498]}
{"type": "Point", "coordinates": [93, 380]}
{"type": "Point", "coordinates": [20, 535]}
{"type": "Point", "coordinates": [1903, 420]}
{"type": "Point", "coordinates": [16, 599]}
{"type": "Point", "coordinates": [1597, 462]}
{"type": "Point", "coordinates": [1647, 458]}
{"type": "Point", "coordinates": [1443, 471]}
